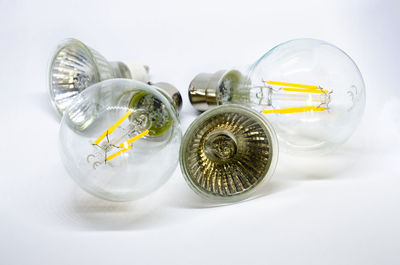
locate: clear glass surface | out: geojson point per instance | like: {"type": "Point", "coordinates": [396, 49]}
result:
{"type": "Point", "coordinates": [311, 91]}
{"type": "Point", "coordinates": [119, 139]}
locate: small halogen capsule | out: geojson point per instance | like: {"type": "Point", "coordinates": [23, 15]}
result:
{"type": "Point", "coordinates": [228, 152]}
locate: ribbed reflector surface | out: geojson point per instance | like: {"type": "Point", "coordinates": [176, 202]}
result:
{"type": "Point", "coordinates": [75, 67]}
{"type": "Point", "coordinates": [227, 153]}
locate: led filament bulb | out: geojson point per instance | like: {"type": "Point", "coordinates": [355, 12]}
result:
{"type": "Point", "coordinates": [75, 66]}
{"type": "Point", "coordinates": [126, 143]}
{"type": "Point", "coordinates": [311, 91]}
{"type": "Point", "coordinates": [228, 152]}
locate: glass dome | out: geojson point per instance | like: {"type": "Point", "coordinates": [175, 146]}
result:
{"type": "Point", "coordinates": [119, 139]}
{"type": "Point", "coordinates": [311, 91]}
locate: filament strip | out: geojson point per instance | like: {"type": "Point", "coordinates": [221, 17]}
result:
{"type": "Point", "coordinates": [113, 127]}
{"type": "Point", "coordinates": [118, 153]}
{"type": "Point", "coordinates": [294, 110]}
{"type": "Point", "coordinates": [127, 145]}
{"type": "Point", "coordinates": [291, 84]}
{"type": "Point", "coordinates": [140, 135]}
{"type": "Point", "coordinates": [304, 90]}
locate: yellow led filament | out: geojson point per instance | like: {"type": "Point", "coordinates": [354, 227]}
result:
{"type": "Point", "coordinates": [125, 145]}
{"type": "Point", "coordinates": [294, 110]}
{"type": "Point", "coordinates": [298, 88]}
{"type": "Point", "coordinates": [113, 127]}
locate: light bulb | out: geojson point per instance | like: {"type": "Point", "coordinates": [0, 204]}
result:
{"type": "Point", "coordinates": [228, 153]}
{"type": "Point", "coordinates": [75, 66]}
{"type": "Point", "coordinates": [119, 139]}
{"type": "Point", "coordinates": [311, 91]}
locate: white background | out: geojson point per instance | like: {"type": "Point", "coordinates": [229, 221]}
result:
{"type": "Point", "coordinates": [338, 209]}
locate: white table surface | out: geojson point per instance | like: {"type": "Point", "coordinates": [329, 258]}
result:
{"type": "Point", "coordinates": [338, 209]}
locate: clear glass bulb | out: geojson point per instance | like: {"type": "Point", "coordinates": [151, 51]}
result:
{"type": "Point", "coordinates": [228, 153]}
{"type": "Point", "coordinates": [119, 139]}
{"type": "Point", "coordinates": [75, 66]}
{"type": "Point", "coordinates": [310, 90]}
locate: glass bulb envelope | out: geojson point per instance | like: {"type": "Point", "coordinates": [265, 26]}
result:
{"type": "Point", "coordinates": [119, 139]}
{"type": "Point", "coordinates": [311, 91]}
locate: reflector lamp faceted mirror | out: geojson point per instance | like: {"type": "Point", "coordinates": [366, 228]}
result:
{"type": "Point", "coordinates": [228, 153]}
{"type": "Point", "coordinates": [75, 66]}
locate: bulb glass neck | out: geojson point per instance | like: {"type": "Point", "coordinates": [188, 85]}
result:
{"type": "Point", "coordinates": [171, 93]}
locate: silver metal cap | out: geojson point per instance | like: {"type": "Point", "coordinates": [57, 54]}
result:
{"type": "Point", "coordinates": [203, 90]}
{"type": "Point", "coordinates": [171, 92]}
